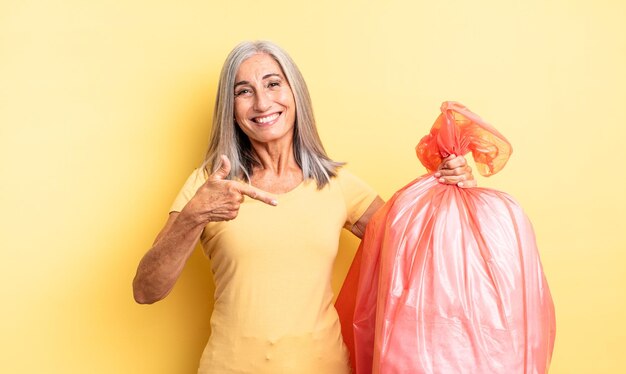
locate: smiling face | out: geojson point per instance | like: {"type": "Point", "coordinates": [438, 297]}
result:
{"type": "Point", "coordinates": [265, 108]}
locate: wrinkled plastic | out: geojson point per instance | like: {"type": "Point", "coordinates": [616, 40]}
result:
{"type": "Point", "coordinates": [448, 280]}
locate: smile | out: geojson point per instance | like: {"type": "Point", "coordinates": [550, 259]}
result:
{"type": "Point", "coordinates": [266, 119]}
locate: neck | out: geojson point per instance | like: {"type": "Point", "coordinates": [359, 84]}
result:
{"type": "Point", "coordinates": [275, 158]}
{"type": "Point", "coordinates": [279, 172]}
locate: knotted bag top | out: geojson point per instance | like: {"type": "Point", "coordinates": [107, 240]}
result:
{"type": "Point", "coordinates": [458, 131]}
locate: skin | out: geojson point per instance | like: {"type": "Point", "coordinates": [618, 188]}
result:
{"type": "Point", "coordinates": [265, 111]}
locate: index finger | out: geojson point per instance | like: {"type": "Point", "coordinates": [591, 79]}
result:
{"type": "Point", "coordinates": [257, 194]}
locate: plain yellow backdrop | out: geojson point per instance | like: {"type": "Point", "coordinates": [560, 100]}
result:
{"type": "Point", "coordinates": [105, 109]}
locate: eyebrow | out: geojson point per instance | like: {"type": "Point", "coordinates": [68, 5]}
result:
{"type": "Point", "coordinates": [264, 78]}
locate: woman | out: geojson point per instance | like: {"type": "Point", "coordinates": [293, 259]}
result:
{"type": "Point", "coordinates": [271, 254]}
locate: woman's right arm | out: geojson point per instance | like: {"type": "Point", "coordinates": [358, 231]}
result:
{"type": "Point", "coordinates": [161, 266]}
{"type": "Point", "coordinates": [218, 199]}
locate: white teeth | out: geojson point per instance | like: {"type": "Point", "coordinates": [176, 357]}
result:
{"type": "Point", "coordinates": [266, 119]}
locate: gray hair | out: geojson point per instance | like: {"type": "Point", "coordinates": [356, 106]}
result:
{"type": "Point", "coordinates": [228, 139]}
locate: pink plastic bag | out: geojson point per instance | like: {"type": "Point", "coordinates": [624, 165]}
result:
{"type": "Point", "coordinates": [448, 280]}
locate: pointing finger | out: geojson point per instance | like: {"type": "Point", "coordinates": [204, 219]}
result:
{"type": "Point", "coordinates": [257, 194]}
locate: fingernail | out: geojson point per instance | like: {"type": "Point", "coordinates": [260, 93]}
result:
{"type": "Point", "coordinates": [441, 180]}
{"type": "Point", "coordinates": [460, 184]}
{"type": "Point", "coordinates": [437, 174]}
{"type": "Point", "coordinates": [274, 202]}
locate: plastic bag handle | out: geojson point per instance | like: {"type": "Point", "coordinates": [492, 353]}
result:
{"type": "Point", "coordinates": [458, 131]}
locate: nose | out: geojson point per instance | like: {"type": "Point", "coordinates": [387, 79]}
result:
{"type": "Point", "coordinates": [262, 101]}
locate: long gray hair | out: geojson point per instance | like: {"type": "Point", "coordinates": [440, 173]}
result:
{"type": "Point", "coordinates": [228, 139]}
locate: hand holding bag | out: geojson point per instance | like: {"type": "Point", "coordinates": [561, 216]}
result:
{"type": "Point", "coordinates": [449, 280]}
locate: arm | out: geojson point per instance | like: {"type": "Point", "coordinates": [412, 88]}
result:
{"type": "Point", "coordinates": [216, 200]}
{"type": "Point", "coordinates": [359, 227]}
{"type": "Point", "coordinates": [161, 266]}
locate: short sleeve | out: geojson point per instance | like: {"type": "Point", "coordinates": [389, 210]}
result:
{"type": "Point", "coordinates": [357, 194]}
{"type": "Point", "coordinates": [195, 180]}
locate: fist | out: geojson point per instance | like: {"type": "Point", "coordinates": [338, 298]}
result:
{"type": "Point", "coordinates": [455, 170]}
{"type": "Point", "coordinates": [219, 199]}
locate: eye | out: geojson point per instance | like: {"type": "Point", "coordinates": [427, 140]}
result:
{"type": "Point", "coordinates": [243, 92]}
{"type": "Point", "coordinates": [273, 84]}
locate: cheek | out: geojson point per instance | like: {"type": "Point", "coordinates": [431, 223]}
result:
{"type": "Point", "coordinates": [240, 111]}
{"type": "Point", "coordinates": [288, 103]}
{"type": "Point", "coordinates": [288, 99]}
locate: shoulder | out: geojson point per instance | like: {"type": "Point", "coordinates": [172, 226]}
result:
{"type": "Point", "coordinates": [345, 177]}
{"type": "Point", "coordinates": [357, 196]}
{"type": "Point", "coordinates": [197, 178]}
{"type": "Point", "coordinates": [194, 181]}
{"type": "Point", "coordinates": [352, 185]}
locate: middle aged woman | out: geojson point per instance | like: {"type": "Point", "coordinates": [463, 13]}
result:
{"type": "Point", "coordinates": [271, 254]}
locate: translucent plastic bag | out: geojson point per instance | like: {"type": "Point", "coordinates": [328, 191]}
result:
{"type": "Point", "coordinates": [448, 280]}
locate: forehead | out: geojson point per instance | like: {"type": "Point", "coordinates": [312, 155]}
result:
{"type": "Point", "coordinates": [258, 66]}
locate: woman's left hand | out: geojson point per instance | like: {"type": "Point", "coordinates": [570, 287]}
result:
{"type": "Point", "coordinates": [455, 170]}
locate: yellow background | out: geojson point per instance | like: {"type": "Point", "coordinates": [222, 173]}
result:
{"type": "Point", "coordinates": [104, 111]}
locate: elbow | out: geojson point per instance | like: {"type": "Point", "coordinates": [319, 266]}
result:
{"type": "Point", "coordinates": [141, 296]}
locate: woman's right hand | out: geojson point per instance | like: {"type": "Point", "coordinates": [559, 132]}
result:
{"type": "Point", "coordinates": [219, 199]}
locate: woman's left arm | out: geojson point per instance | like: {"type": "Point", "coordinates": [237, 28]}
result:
{"type": "Point", "coordinates": [359, 227]}
{"type": "Point", "coordinates": [452, 170]}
